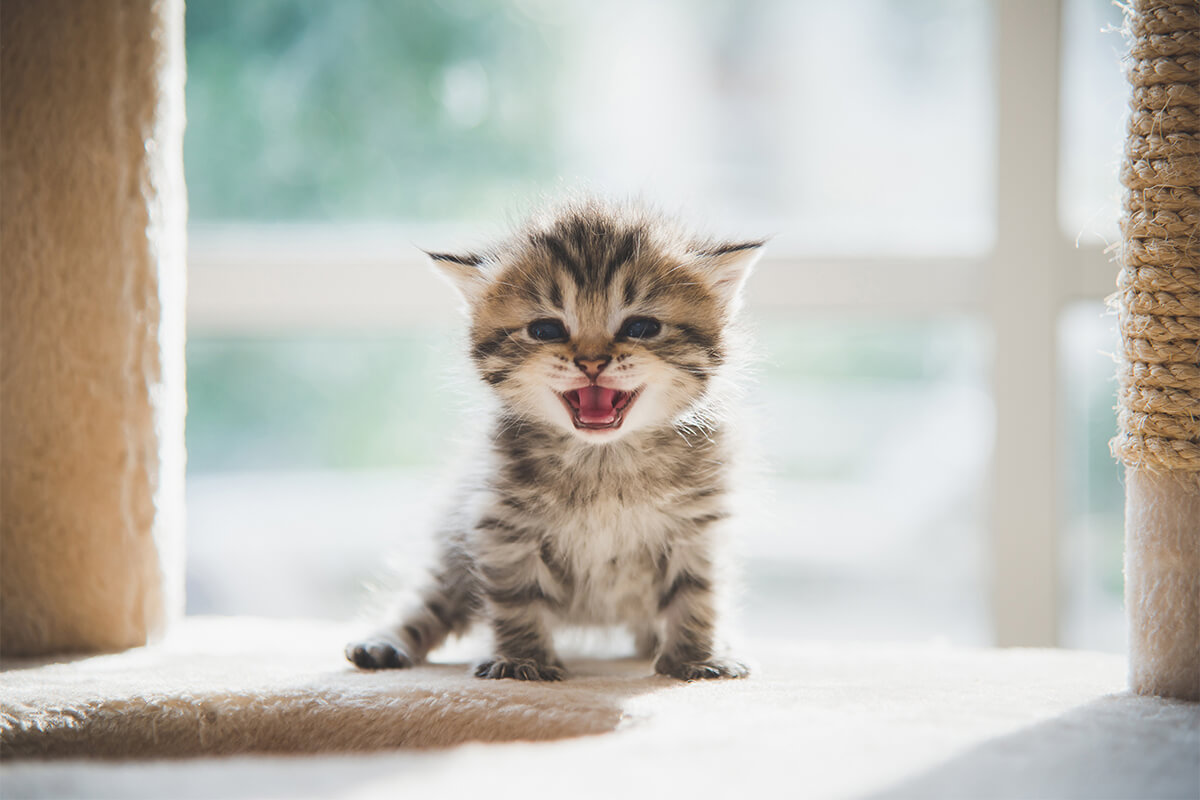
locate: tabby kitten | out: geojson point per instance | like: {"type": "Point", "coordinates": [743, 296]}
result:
{"type": "Point", "coordinates": [604, 333]}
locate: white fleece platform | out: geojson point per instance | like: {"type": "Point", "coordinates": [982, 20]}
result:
{"type": "Point", "coordinates": [813, 721]}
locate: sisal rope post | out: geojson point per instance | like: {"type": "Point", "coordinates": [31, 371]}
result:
{"type": "Point", "coordinates": [1159, 374]}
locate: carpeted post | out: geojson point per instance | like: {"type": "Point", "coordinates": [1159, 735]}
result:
{"type": "Point", "coordinates": [92, 218]}
{"type": "Point", "coordinates": [1159, 306]}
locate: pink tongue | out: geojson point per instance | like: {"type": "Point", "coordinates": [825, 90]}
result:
{"type": "Point", "coordinates": [596, 404]}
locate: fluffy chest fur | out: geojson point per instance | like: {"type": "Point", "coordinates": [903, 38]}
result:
{"type": "Point", "coordinates": [613, 552]}
{"type": "Point", "coordinates": [611, 525]}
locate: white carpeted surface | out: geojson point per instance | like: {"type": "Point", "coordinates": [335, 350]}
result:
{"type": "Point", "coordinates": [814, 721]}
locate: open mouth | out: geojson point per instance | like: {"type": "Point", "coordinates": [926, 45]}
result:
{"type": "Point", "coordinates": [598, 407]}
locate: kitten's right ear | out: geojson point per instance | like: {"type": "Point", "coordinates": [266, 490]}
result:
{"type": "Point", "coordinates": [465, 271]}
{"type": "Point", "coordinates": [727, 266]}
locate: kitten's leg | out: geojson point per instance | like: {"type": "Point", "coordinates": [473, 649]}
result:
{"type": "Point", "coordinates": [645, 640]}
{"type": "Point", "coordinates": [521, 582]}
{"type": "Point", "coordinates": [686, 603]}
{"type": "Point", "coordinates": [448, 606]}
{"type": "Point", "coordinates": [524, 647]}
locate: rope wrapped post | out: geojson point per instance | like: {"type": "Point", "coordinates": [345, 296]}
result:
{"type": "Point", "coordinates": [1159, 376]}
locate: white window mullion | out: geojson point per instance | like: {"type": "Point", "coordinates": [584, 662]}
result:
{"type": "Point", "coordinates": [1025, 289]}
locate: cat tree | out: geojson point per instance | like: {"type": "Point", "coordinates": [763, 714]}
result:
{"type": "Point", "coordinates": [92, 225]}
{"type": "Point", "coordinates": [1159, 306]}
{"type": "Point", "coordinates": [92, 293]}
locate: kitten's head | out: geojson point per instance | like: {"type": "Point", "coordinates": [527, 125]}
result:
{"type": "Point", "coordinates": [602, 321]}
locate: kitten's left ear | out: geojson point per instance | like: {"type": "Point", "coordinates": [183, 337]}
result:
{"type": "Point", "coordinates": [726, 266]}
{"type": "Point", "coordinates": [465, 271]}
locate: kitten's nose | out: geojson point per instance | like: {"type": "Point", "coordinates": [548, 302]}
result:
{"type": "Point", "coordinates": [592, 366]}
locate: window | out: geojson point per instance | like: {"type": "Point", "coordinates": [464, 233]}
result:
{"type": "Point", "coordinates": [326, 140]}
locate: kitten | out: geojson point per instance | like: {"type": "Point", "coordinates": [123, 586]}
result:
{"type": "Point", "coordinates": [605, 335]}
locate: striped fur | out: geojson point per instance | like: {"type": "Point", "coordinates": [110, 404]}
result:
{"type": "Point", "coordinates": [574, 522]}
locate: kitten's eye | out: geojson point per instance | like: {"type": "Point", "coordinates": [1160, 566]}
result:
{"type": "Point", "coordinates": [547, 330]}
{"type": "Point", "coordinates": [641, 328]}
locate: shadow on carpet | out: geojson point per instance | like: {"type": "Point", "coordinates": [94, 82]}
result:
{"type": "Point", "coordinates": [1119, 746]}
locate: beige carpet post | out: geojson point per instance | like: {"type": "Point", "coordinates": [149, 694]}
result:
{"type": "Point", "coordinates": [92, 223]}
{"type": "Point", "coordinates": [1159, 306]}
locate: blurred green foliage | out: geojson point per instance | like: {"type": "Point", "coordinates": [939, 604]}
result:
{"type": "Point", "coordinates": [1094, 497]}
{"type": "Point", "coordinates": [356, 403]}
{"type": "Point", "coordinates": [830, 348]}
{"type": "Point", "coordinates": [321, 403]}
{"type": "Point", "coordinates": [364, 109]}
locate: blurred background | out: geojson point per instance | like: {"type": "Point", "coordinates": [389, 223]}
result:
{"type": "Point", "coordinates": [327, 392]}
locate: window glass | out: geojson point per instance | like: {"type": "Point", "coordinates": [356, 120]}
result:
{"type": "Point", "coordinates": [1093, 540]}
{"type": "Point", "coordinates": [321, 403]}
{"type": "Point", "coordinates": [311, 460]}
{"type": "Point", "coordinates": [877, 436]}
{"type": "Point", "coordinates": [857, 128]}
{"type": "Point", "coordinates": [1094, 110]}
{"type": "Point", "coordinates": [843, 126]}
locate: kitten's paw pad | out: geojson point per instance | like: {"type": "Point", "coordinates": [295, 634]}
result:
{"type": "Point", "coordinates": [378, 654]}
{"type": "Point", "coordinates": [701, 670]}
{"type": "Point", "coordinates": [522, 669]}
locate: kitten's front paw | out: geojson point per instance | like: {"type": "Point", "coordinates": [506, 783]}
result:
{"type": "Point", "coordinates": [378, 654]}
{"type": "Point", "coordinates": [522, 669]}
{"type": "Point", "coordinates": [701, 670]}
